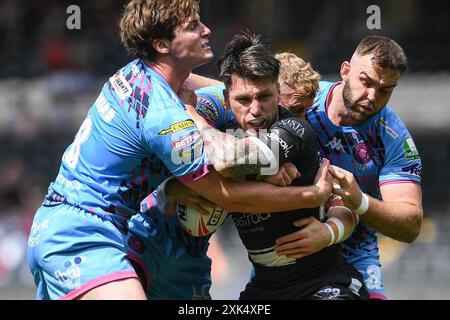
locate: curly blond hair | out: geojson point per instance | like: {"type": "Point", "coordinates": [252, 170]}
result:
{"type": "Point", "coordinates": [298, 75]}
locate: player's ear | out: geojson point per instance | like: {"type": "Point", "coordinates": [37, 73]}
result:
{"type": "Point", "coordinates": [345, 70]}
{"type": "Point", "coordinates": [161, 45]}
{"type": "Point", "coordinates": [226, 98]}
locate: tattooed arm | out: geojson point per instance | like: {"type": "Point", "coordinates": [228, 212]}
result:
{"type": "Point", "coordinates": [234, 156]}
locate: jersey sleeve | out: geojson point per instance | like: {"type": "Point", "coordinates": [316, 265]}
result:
{"type": "Point", "coordinates": [211, 106]}
{"type": "Point", "coordinates": [291, 138]}
{"type": "Point", "coordinates": [402, 162]}
{"type": "Point", "coordinates": [176, 141]}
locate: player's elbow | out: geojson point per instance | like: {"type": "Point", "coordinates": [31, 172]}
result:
{"type": "Point", "coordinates": [411, 237]}
{"type": "Point", "coordinates": [416, 226]}
{"type": "Point", "coordinates": [222, 168]}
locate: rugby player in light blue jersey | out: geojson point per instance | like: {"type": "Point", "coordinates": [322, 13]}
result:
{"type": "Point", "coordinates": [125, 148]}
{"type": "Point", "coordinates": [359, 132]}
{"type": "Point", "coordinates": [190, 278]}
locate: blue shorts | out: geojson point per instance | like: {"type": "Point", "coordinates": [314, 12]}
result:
{"type": "Point", "coordinates": [370, 268]}
{"type": "Point", "coordinates": [71, 251]}
{"type": "Point", "coordinates": [170, 263]}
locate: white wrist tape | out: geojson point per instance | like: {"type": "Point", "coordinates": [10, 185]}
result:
{"type": "Point", "coordinates": [364, 205]}
{"type": "Point", "coordinates": [348, 211]}
{"type": "Point", "coordinates": [331, 231]}
{"type": "Point", "coordinates": [340, 227]}
{"type": "Point", "coordinates": [264, 148]}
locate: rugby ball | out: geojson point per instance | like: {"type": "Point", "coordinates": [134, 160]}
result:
{"type": "Point", "coordinates": [200, 225]}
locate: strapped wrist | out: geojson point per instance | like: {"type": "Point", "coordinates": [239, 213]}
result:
{"type": "Point", "coordinates": [332, 236]}
{"type": "Point", "coordinates": [340, 227]}
{"type": "Point", "coordinates": [364, 205]}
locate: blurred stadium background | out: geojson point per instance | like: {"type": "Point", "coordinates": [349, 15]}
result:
{"type": "Point", "coordinates": [50, 76]}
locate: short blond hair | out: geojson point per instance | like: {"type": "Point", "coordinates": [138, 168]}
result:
{"type": "Point", "coordinates": [298, 74]}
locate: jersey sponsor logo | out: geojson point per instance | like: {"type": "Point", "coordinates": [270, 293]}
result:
{"type": "Point", "coordinates": [206, 101]}
{"type": "Point", "coordinates": [335, 144]}
{"type": "Point", "coordinates": [183, 142]}
{"type": "Point", "coordinates": [121, 85]}
{"type": "Point", "coordinates": [248, 220]}
{"type": "Point", "coordinates": [34, 238]}
{"type": "Point", "coordinates": [414, 169]}
{"type": "Point", "coordinates": [187, 149]}
{"type": "Point", "coordinates": [361, 153]}
{"type": "Point", "coordinates": [410, 149]}
{"type": "Point", "coordinates": [191, 153]}
{"type": "Point", "coordinates": [36, 227]}
{"type": "Point", "coordinates": [178, 126]}
{"type": "Point", "coordinates": [70, 277]}
{"type": "Point", "coordinates": [294, 125]}
{"type": "Point", "coordinates": [219, 97]}
{"type": "Point", "coordinates": [206, 109]}
{"type": "Point", "coordinates": [389, 130]}
{"type": "Point", "coordinates": [281, 142]}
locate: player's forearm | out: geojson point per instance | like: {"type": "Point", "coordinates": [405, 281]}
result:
{"type": "Point", "coordinates": [399, 215]}
{"type": "Point", "coordinates": [256, 197]}
{"type": "Point", "coordinates": [398, 220]}
{"type": "Point", "coordinates": [195, 81]}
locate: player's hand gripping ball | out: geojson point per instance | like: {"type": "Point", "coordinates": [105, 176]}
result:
{"type": "Point", "coordinates": [200, 225]}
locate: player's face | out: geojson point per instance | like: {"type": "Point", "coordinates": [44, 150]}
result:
{"type": "Point", "coordinates": [367, 87]}
{"type": "Point", "coordinates": [190, 46]}
{"type": "Point", "coordinates": [254, 103]}
{"type": "Point", "coordinates": [294, 101]}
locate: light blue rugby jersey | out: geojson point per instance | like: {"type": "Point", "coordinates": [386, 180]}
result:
{"type": "Point", "coordinates": [378, 151]}
{"type": "Point", "coordinates": [135, 135]}
{"type": "Point", "coordinates": [211, 106]}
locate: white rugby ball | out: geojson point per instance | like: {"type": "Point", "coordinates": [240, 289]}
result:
{"type": "Point", "coordinates": [200, 225]}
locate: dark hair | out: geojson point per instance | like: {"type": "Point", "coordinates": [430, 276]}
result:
{"type": "Point", "coordinates": [386, 52]}
{"type": "Point", "coordinates": [247, 56]}
{"type": "Point", "coordinates": [145, 20]}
